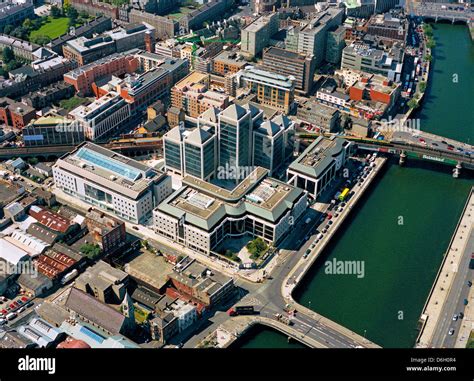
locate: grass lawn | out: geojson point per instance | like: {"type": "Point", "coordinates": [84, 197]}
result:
{"type": "Point", "coordinates": [470, 341]}
{"type": "Point", "coordinates": [52, 28]}
{"type": "Point", "coordinates": [72, 103]}
{"type": "Point", "coordinates": [180, 13]}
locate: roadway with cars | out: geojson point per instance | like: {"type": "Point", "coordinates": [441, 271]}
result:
{"type": "Point", "coordinates": [447, 328]}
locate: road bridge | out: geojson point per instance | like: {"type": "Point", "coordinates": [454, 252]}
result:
{"type": "Point", "coordinates": [452, 12]}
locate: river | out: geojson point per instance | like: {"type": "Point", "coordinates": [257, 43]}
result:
{"type": "Point", "coordinates": [403, 225]}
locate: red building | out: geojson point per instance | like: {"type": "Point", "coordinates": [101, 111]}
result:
{"type": "Point", "coordinates": [16, 114]}
{"type": "Point", "coordinates": [118, 64]}
{"type": "Point", "coordinates": [107, 231]}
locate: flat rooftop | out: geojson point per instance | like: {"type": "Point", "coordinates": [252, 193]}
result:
{"type": "Point", "coordinates": [110, 169]}
{"type": "Point", "coordinates": [318, 156]}
{"type": "Point", "coordinates": [204, 205]}
{"type": "Point", "coordinates": [193, 81]}
{"type": "Point", "coordinates": [150, 268]}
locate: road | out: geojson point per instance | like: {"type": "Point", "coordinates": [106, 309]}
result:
{"type": "Point", "coordinates": [454, 301]}
{"type": "Point", "coordinates": [269, 300]}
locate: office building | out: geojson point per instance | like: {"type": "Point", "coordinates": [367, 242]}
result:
{"type": "Point", "coordinates": [256, 36]}
{"type": "Point", "coordinates": [192, 94]}
{"type": "Point", "coordinates": [287, 63]}
{"type": "Point", "coordinates": [111, 181]}
{"type": "Point", "coordinates": [85, 50]}
{"type": "Point", "coordinates": [200, 215]}
{"type": "Point", "coordinates": [142, 90]}
{"type": "Point", "coordinates": [360, 56]}
{"type": "Point", "coordinates": [116, 64]}
{"type": "Point", "coordinates": [101, 117]}
{"type": "Point", "coordinates": [388, 26]}
{"type": "Point", "coordinates": [334, 44]}
{"type": "Point", "coordinates": [321, 118]}
{"type": "Point", "coordinates": [15, 114]}
{"type": "Point", "coordinates": [319, 163]}
{"type": "Point", "coordinates": [191, 152]}
{"type": "Point", "coordinates": [273, 90]}
{"type": "Point", "coordinates": [312, 37]}
{"type": "Point", "coordinates": [235, 137]}
{"type": "Point", "coordinates": [52, 130]}
{"type": "Point", "coordinates": [207, 12]}
{"type": "Point", "coordinates": [95, 8]}
{"type": "Point", "coordinates": [228, 62]}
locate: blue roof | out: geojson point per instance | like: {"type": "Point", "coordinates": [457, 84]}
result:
{"type": "Point", "coordinates": [109, 164]}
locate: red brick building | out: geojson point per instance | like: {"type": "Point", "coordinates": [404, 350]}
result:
{"type": "Point", "coordinates": [107, 231]}
{"type": "Point", "coordinates": [15, 114]}
{"type": "Point", "coordinates": [117, 64]}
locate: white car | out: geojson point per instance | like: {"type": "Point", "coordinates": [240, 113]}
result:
{"type": "Point", "coordinates": [455, 317]}
{"type": "Point", "coordinates": [451, 332]}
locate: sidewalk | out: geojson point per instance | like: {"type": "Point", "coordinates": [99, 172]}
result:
{"type": "Point", "coordinates": [444, 280]}
{"type": "Point", "coordinates": [467, 324]}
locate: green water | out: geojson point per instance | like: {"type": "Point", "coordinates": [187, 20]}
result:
{"type": "Point", "coordinates": [264, 337]}
{"type": "Point", "coordinates": [403, 225]}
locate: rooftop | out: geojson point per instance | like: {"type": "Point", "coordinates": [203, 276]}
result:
{"type": "Point", "coordinates": [109, 168]}
{"type": "Point", "coordinates": [318, 156]}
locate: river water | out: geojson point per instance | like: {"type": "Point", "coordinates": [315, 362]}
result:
{"type": "Point", "coordinates": [403, 225]}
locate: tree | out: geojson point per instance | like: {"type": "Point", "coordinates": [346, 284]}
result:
{"type": "Point", "coordinates": [428, 58]}
{"type": "Point", "coordinates": [7, 55]}
{"type": "Point", "coordinates": [256, 247]}
{"type": "Point", "coordinates": [40, 39]}
{"type": "Point", "coordinates": [3, 72]}
{"type": "Point", "coordinates": [412, 103]}
{"type": "Point", "coordinates": [55, 12]}
{"type": "Point", "coordinates": [8, 29]}
{"type": "Point", "coordinates": [422, 86]}
{"type": "Point", "coordinates": [13, 64]}
{"type": "Point", "coordinates": [33, 160]}
{"type": "Point", "coordinates": [72, 14]}
{"type": "Point", "coordinates": [27, 23]}
{"type": "Point", "coordinates": [90, 251]}
{"type": "Point", "coordinates": [430, 43]}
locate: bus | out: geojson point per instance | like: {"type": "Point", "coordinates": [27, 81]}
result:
{"type": "Point", "coordinates": [343, 195]}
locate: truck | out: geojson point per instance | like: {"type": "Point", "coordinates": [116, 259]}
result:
{"type": "Point", "coordinates": [241, 310]}
{"type": "Point", "coordinates": [69, 276]}
{"type": "Point", "coordinates": [344, 194]}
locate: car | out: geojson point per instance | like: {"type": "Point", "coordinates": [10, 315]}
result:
{"type": "Point", "coordinates": [461, 315]}
{"type": "Point", "coordinates": [459, 149]}
{"type": "Point", "coordinates": [325, 230]}
{"type": "Point", "coordinates": [21, 309]}
{"type": "Point", "coordinates": [135, 227]}
{"type": "Point", "coordinates": [450, 148]}
{"type": "Point", "coordinates": [24, 299]}
{"type": "Point", "coordinates": [30, 304]}
{"type": "Point", "coordinates": [330, 223]}
{"type": "Point", "coordinates": [435, 144]}
{"type": "Point", "coordinates": [466, 302]}
{"type": "Point", "coordinates": [2, 321]}
{"type": "Point", "coordinates": [336, 215]}
{"type": "Point", "coordinates": [469, 283]}
{"type": "Point", "coordinates": [455, 317]}
{"type": "Point", "coordinates": [444, 142]}
{"type": "Point", "coordinates": [451, 332]}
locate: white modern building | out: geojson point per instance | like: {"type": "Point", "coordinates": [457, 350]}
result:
{"type": "Point", "coordinates": [111, 181]}
{"type": "Point", "coordinates": [201, 215]}
{"type": "Point", "coordinates": [317, 166]}
{"type": "Point", "coordinates": [102, 116]}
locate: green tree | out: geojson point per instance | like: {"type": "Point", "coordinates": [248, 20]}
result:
{"type": "Point", "coordinates": [431, 43]}
{"type": "Point", "coordinates": [3, 72]}
{"type": "Point", "coordinates": [12, 65]}
{"type": "Point", "coordinates": [40, 39]}
{"type": "Point", "coordinates": [7, 55]}
{"type": "Point", "coordinates": [33, 160]}
{"type": "Point", "coordinates": [412, 103]}
{"type": "Point", "coordinates": [8, 29]}
{"type": "Point", "coordinates": [256, 247]}
{"type": "Point", "coordinates": [422, 86]}
{"type": "Point", "coordinates": [72, 14]}
{"type": "Point", "coordinates": [55, 12]}
{"type": "Point", "coordinates": [27, 23]}
{"type": "Point", "coordinates": [428, 58]}
{"type": "Point", "coordinates": [90, 251]}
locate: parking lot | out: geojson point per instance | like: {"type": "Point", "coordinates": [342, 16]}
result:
{"type": "Point", "coordinates": [11, 308]}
